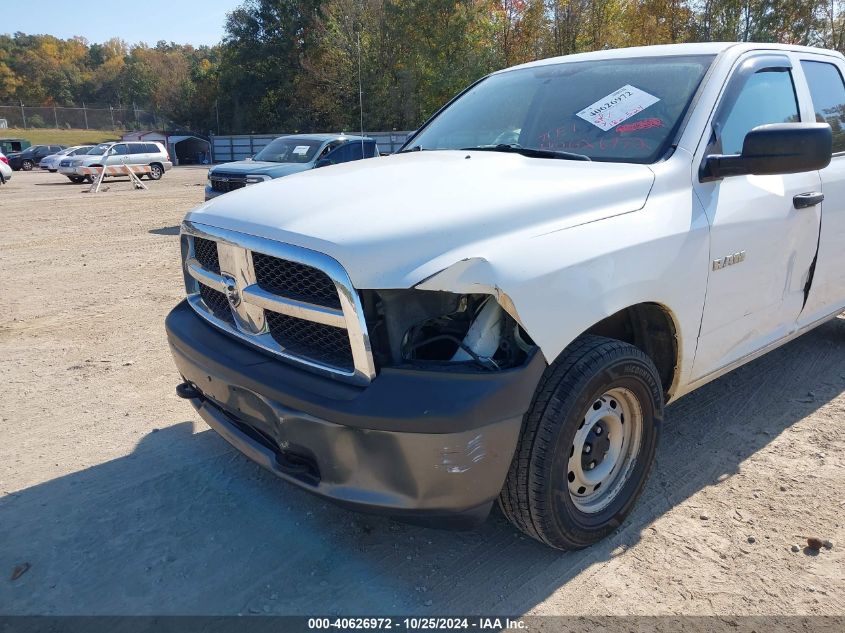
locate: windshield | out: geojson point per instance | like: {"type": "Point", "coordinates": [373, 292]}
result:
{"type": "Point", "coordinates": [100, 149]}
{"type": "Point", "coordinates": [624, 110]}
{"type": "Point", "coordinates": [289, 150]}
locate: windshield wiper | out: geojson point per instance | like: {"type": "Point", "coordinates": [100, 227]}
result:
{"type": "Point", "coordinates": [516, 148]}
{"type": "Point", "coordinates": [415, 148]}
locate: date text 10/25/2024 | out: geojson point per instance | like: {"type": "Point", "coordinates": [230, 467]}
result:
{"type": "Point", "coordinates": [418, 623]}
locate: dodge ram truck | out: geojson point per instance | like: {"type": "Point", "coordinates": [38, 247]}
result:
{"type": "Point", "coordinates": [501, 311]}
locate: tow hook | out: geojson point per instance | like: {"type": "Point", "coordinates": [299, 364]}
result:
{"type": "Point", "coordinates": [187, 391]}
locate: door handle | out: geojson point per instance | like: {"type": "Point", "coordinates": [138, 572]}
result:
{"type": "Point", "coordinates": [807, 200]}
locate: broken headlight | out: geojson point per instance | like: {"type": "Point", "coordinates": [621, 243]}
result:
{"type": "Point", "coordinates": [430, 329]}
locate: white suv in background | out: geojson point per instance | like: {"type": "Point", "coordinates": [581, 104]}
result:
{"type": "Point", "coordinates": [118, 153]}
{"type": "Point", "coordinates": [51, 162]}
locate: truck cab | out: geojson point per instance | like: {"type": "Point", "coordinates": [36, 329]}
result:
{"type": "Point", "coordinates": [9, 145]}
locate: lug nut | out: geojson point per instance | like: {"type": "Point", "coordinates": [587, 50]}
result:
{"type": "Point", "coordinates": [598, 430]}
{"type": "Point", "coordinates": [592, 465]}
{"type": "Point", "coordinates": [587, 448]}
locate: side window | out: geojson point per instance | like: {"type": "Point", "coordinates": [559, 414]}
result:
{"type": "Point", "coordinates": [137, 148]}
{"type": "Point", "coordinates": [151, 148]}
{"type": "Point", "coordinates": [328, 151]}
{"type": "Point", "coordinates": [767, 97]}
{"type": "Point", "coordinates": [346, 153]}
{"type": "Point", "coordinates": [119, 149]}
{"type": "Point", "coordinates": [828, 93]}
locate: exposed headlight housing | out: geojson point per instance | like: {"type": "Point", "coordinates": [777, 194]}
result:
{"type": "Point", "coordinates": [430, 329]}
{"type": "Point", "coordinates": [254, 179]}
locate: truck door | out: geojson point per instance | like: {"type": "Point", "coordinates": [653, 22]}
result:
{"type": "Point", "coordinates": [827, 90]}
{"type": "Point", "coordinates": [761, 246]}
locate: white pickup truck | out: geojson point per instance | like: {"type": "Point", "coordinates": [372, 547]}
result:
{"type": "Point", "coordinates": [501, 311]}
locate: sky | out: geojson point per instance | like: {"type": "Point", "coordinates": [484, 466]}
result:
{"type": "Point", "coordinates": [194, 22]}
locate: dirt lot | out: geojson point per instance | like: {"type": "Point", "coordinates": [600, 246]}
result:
{"type": "Point", "coordinates": [123, 502]}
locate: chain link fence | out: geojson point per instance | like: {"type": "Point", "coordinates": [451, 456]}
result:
{"type": "Point", "coordinates": [82, 117]}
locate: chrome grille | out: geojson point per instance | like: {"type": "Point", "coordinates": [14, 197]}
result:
{"type": "Point", "coordinates": [206, 254]}
{"type": "Point", "coordinates": [324, 343]}
{"type": "Point", "coordinates": [216, 302]}
{"type": "Point", "coordinates": [290, 301]}
{"type": "Point", "coordinates": [295, 281]}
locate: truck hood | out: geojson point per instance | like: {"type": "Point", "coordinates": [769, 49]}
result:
{"type": "Point", "coordinates": [262, 168]}
{"type": "Point", "coordinates": [394, 221]}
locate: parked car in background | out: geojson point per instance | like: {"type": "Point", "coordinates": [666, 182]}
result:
{"type": "Point", "coordinates": [288, 155]}
{"type": "Point", "coordinates": [9, 145]}
{"type": "Point", "coordinates": [118, 153]}
{"type": "Point", "coordinates": [51, 162]}
{"type": "Point", "coordinates": [31, 156]}
{"type": "Point", "coordinates": [5, 170]}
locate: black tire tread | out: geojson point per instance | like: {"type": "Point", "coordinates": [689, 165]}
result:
{"type": "Point", "coordinates": [520, 499]}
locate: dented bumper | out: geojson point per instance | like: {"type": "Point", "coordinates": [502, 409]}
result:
{"type": "Point", "coordinates": [434, 447]}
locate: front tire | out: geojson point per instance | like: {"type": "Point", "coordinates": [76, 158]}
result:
{"type": "Point", "coordinates": [156, 171]}
{"type": "Point", "coordinates": [77, 180]}
{"type": "Point", "coordinates": [587, 444]}
{"type": "Point", "coordinates": [26, 165]}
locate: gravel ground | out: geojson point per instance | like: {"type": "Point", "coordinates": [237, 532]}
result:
{"type": "Point", "coordinates": [122, 501]}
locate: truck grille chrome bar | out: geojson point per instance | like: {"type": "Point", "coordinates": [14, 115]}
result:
{"type": "Point", "coordinates": [301, 305]}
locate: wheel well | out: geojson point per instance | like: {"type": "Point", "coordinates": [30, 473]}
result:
{"type": "Point", "coordinates": [649, 327]}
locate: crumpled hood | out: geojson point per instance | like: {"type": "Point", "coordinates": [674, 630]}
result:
{"type": "Point", "coordinates": [394, 221]}
{"type": "Point", "coordinates": [261, 168]}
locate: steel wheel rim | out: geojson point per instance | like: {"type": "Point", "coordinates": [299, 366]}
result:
{"type": "Point", "coordinates": [604, 450]}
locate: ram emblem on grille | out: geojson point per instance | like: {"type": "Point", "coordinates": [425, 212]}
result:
{"type": "Point", "coordinates": [232, 293]}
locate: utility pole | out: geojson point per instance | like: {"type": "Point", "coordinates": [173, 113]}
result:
{"type": "Point", "coordinates": [23, 115]}
{"type": "Point", "coordinates": [85, 114]}
{"type": "Point", "coordinates": [55, 117]}
{"type": "Point", "coordinates": [360, 95]}
{"type": "Point", "coordinates": [111, 114]}
{"type": "Point", "coordinates": [217, 109]}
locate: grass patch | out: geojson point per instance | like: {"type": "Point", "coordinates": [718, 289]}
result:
{"type": "Point", "coordinates": [47, 136]}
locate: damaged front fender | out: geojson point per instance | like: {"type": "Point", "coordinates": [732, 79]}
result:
{"type": "Point", "coordinates": [473, 275]}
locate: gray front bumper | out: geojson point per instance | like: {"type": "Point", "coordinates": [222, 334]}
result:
{"type": "Point", "coordinates": [432, 469]}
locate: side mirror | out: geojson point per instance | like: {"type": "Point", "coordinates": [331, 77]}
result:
{"type": "Point", "coordinates": [323, 162]}
{"type": "Point", "coordinates": [780, 148]}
